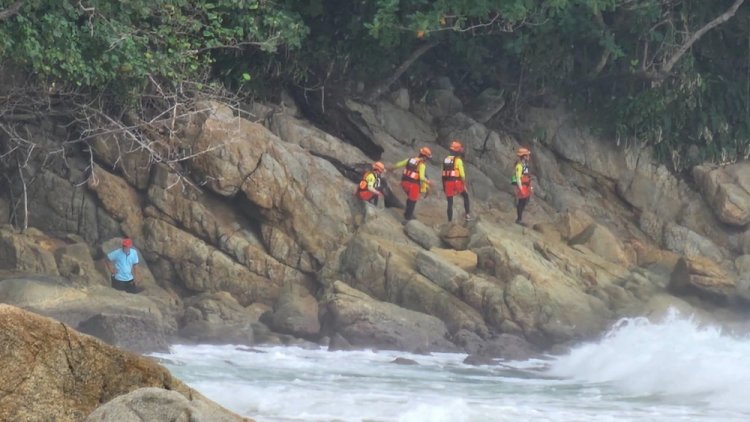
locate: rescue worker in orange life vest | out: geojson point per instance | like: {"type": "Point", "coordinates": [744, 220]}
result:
{"type": "Point", "coordinates": [522, 182]}
{"type": "Point", "coordinates": [413, 180]}
{"type": "Point", "coordinates": [454, 178]}
{"type": "Point", "coordinates": [370, 188]}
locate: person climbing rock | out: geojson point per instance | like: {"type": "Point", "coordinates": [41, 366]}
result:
{"type": "Point", "coordinates": [370, 187]}
{"type": "Point", "coordinates": [122, 264]}
{"type": "Point", "coordinates": [522, 181]}
{"type": "Point", "coordinates": [454, 179]}
{"type": "Point", "coordinates": [413, 180]}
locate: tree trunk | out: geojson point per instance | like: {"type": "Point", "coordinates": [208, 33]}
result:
{"type": "Point", "coordinates": [416, 54]}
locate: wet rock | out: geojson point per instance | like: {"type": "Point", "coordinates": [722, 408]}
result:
{"type": "Point", "coordinates": [158, 404]}
{"type": "Point", "coordinates": [404, 361]}
{"type": "Point", "coordinates": [423, 235]}
{"type": "Point", "coordinates": [139, 334]}
{"type": "Point", "coordinates": [49, 358]}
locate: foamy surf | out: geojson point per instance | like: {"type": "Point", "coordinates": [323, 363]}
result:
{"type": "Point", "coordinates": [640, 371]}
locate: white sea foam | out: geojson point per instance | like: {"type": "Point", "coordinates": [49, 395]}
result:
{"type": "Point", "coordinates": [674, 360]}
{"type": "Point", "coordinates": [641, 371]}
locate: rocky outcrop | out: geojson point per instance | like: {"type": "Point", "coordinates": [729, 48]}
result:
{"type": "Point", "coordinates": [133, 322]}
{"type": "Point", "coordinates": [217, 318]}
{"type": "Point", "coordinates": [727, 191]}
{"type": "Point", "coordinates": [53, 373]}
{"type": "Point", "coordinates": [296, 313]}
{"type": "Point", "coordinates": [260, 229]}
{"type": "Point", "coordinates": [30, 253]}
{"type": "Point", "coordinates": [157, 404]}
{"type": "Point", "coordinates": [140, 334]}
{"type": "Point", "coordinates": [303, 221]}
{"type": "Point", "coordinates": [367, 323]}
{"type": "Point", "coordinates": [703, 277]}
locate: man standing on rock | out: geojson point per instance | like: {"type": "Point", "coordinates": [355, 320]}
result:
{"type": "Point", "coordinates": [454, 179]}
{"type": "Point", "coordinates": [123, 266]}
{"type": "Point", "coordinates": [522, 182]}
{"type": "Point", "coordinates": [413, 181]}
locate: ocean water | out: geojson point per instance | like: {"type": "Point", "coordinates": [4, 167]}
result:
{"type": "Point", "coordinates": [675, 370]}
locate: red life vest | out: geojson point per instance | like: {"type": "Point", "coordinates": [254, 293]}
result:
{"type": "Point", "coordinates": [411, 171]}
{"type": "Point", "coordinates": [450, 172]}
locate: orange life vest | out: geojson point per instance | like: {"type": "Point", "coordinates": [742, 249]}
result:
{"type": "Point", "coordinates": [449, 169]}
{"type": "Point", "coordinates": [411, 171]}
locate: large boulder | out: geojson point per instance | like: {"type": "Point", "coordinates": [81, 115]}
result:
{"type": "Point", "coordinates": [218, 224]}
{"type": "Point", "coordinates": [403, 125]}
{"type": "Point", "coordinates": [217, 318]}
{"type": "Point", "coordinates": [703, 277]}
{"type": "Point", "coordinates": [368, 323]}
{"type": "Point", "coordinates": [508, 347]}
{"type": "Point", "coordinates": [203, 268]}
{"type": "Point", "coordinates": [295, 313]}
{"type": "Point", "coordinates": [119, 199]}
{"type": "Point", "coordinates": [546, 287]}
{"type": "Point", "coordinates": [727, 191]}
{"type": "Point", "coordinates": [604, 243]}
{"type": "Point", "coordinates": [57, 298]}
{"type": "Point", "coordinates": [575, 143]}
{"type": "Point", "coordinates": [27, 253]}
{"type": "Point", "coordinates": [58, 206]}
{"type": "Point", "coordinates": [75, 263]}
{"type": "Point", "coordinates": [681, 239]}
{"type": "Point", "coordinates": [443, 273]}
{"type": "Point", "coordinates": [423, 235]}
{"type": "Point", "coordinates": [386, 271]}
{"type": "Point", "coordinates": [486, 105]}
{"type": "Point", "coordinates": [465, 260]}
{"type": "Point", "coordinates": [139, 334]}
{"type": "Point", "coordinates": [118, 151]}
{"type": "Point", "coordinates": [455, 235]}
{"type": "Point", "coordinates": [51, 372]}
{"type": "Point", "coordinates": [309, 137]}
{"type": "Point", "coordinates": [158, 404]}
{"type": "Point", "coordinates": [305, 214]}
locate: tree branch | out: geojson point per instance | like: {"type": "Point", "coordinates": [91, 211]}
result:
{"type": "Point", "coordinates": [11, 10]}
{"type": "Point", "coordinates": [698, 34]}
{"type": "Point", "coordinates": [416, 54]}
{"type": "Point", "coordinates": [604, 57]}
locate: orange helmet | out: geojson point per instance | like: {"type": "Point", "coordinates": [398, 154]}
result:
{"type": "Point", "coordinates": [426, 151]}
{"type": "Point", "coordinates": [378, 166]}
{"type": "Point", "coordinates": [523, 151]}
{"type": "Point", "coordinates": [456, 146]}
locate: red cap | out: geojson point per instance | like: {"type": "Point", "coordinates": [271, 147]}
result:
{"type": "Point", "coordinates": [126, 243]}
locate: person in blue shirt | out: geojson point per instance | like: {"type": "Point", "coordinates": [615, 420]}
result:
{"type": "Point", "coordinates": [123, 266]}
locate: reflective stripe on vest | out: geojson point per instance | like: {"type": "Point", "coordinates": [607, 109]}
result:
{"type": "Point", "coordinates": [449, 169]}
{"type": "Point", "coordinates": [411, 172]}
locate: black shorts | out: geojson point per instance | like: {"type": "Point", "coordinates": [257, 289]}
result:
{"type": "Point", "coordinates": [125, 286]}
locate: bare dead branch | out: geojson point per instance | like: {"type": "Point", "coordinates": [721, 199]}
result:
{"type": "Point", "coordinates": [728, 14]}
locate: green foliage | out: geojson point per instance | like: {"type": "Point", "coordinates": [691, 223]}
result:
{"type": "Point", "coordinates": [606, 55]}
{"type": "Point", "coordinates": [116, 46]}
